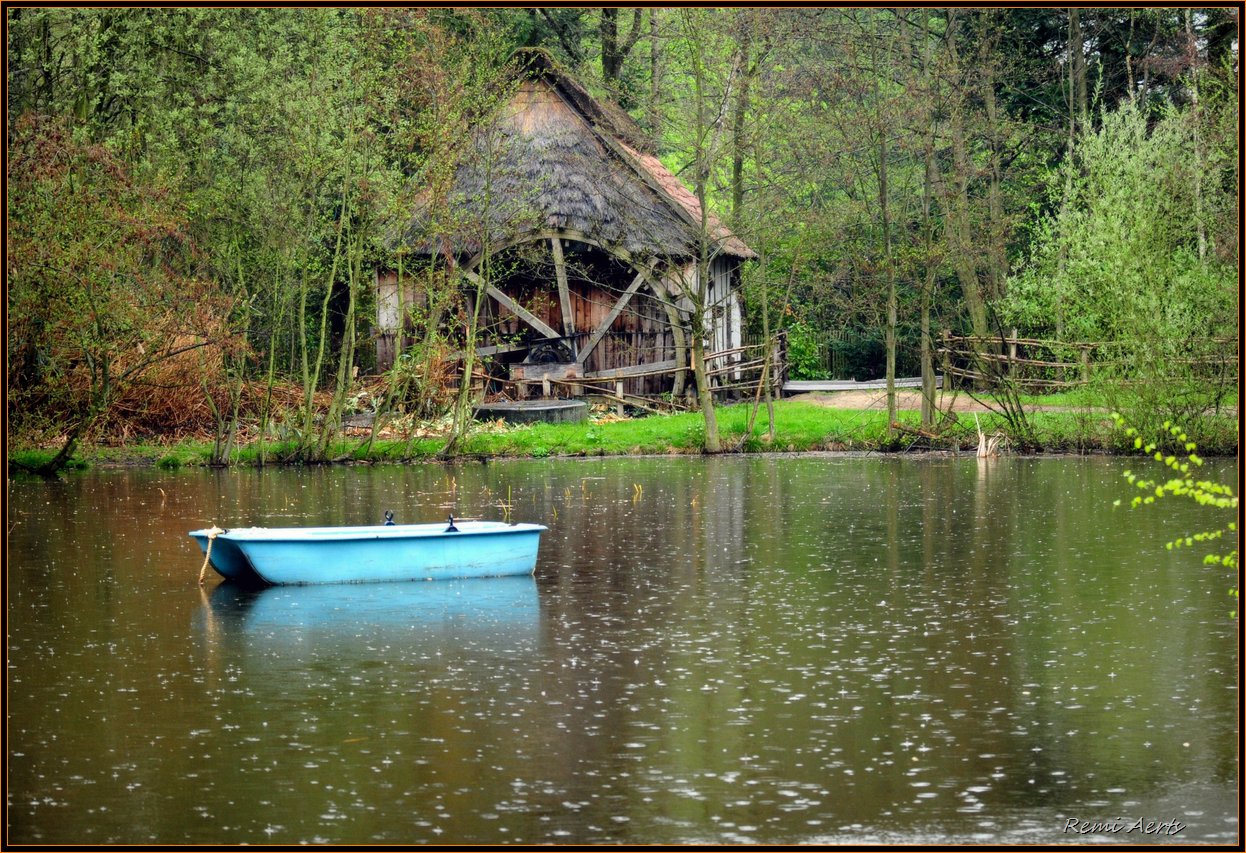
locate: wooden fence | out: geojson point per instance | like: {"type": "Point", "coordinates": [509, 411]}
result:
{"type": "Point", "coordinates": [734, 373]}
{"type": "Point", "coordinates": [850, 354]}
{"type": "Point", "coordinates": [829, 352]}
{"type": "Point", "coordinates": [1043, 365]}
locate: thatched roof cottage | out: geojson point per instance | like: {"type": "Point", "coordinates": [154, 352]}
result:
{"type": "Point", "coordinates": [586, 242]}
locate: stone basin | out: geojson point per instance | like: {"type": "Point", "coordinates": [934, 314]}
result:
{"type": "Point", "coordinates": [534, 411]}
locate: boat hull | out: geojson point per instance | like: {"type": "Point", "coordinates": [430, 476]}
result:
{"type": "Point", "coordinates": [396, 552]}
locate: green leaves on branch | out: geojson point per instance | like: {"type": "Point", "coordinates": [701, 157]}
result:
{"type": "Point", "coordinates": [1204, 492]}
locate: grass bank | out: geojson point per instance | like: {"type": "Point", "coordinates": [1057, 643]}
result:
{"type": "Point", "coordinates": [800, 426]}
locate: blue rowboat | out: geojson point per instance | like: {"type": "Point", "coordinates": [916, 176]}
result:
{"type": "Point", "coordinates": [382, 552]}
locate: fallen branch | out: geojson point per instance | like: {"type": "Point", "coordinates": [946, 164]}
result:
{"type": "Point", "coordinates": [911, 430]}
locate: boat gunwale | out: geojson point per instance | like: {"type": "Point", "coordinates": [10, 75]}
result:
{"type": "Point", "coordinates": [348, 533]}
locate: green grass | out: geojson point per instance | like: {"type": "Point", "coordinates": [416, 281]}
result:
{"type": "Point", "coordinates": [1075, 399]}
{"type": "Point", "coordinates": [171, 456]}
{"type": "Point", "coordinates": [29, 459]}
{"type": "Point", "coordinates": [800, 427]}
{"type": "Point", "coordinates": [1093, 398]}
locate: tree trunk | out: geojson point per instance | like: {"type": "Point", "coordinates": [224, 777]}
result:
{"type": "Point", "coordinates": [927, 355]}
{"type": "Point", "coordinates": [928, 287]}
{"type": "Point", "coordinates": [63, 455]}
{"type": "Point", "coordinates": [705, 396]}
{"type": "Point", "coordinates": [1077, 66]}
{"type": "Point", "coordinates": [614, 51]}
{"type": "Point", "coordinates": [957, 229]}
{"type": "Point", "coordinates": [1199, 153]}
{"type": "Point", "coordinates": [957, 232]}
{"type": "Point", "coordinates": [769, 346]}
{"type": "Point", "coordinates": [346, 355]}
{"type": "Point", "coordinates": [611, 60]}
{"type": "Point", "coordinates": [739, 114]}
{"type": "Point", "coordinates": [655, 109]}
{"type": "Point", "coordinates": [890, 335]}
{"type": "Point", "coordinates": [311, 377]}
{"type": "Point", "coordinates": [996, 250]}
{"type": "Point", "coordinates": [462, 410]}
{"type": "Point", "coordinates": [705, 149]}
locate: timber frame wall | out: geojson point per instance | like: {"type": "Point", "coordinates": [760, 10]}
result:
{"type": "Point", "coordinates": [617, 323]}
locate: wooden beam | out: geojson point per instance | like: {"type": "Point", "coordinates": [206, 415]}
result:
{"type": "Point", "coordinates": [537, 372]}
{"type": "Point", "coordinates": [619, 305]}
{"type": "Point", "coordinates": [681, 349]}
{"type": "Point", "coordinates": [500, 349]}
{"type": "Point", "coordinates": [635, 370]}
{"type": "Point", "coordinates": [521, 312]}
{"type": "Point", "coordinates": [538, 234]}
{"type": "Point", "coordinates": [564, 293]}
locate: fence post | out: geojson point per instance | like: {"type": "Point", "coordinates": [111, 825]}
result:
{"type": "Point", "coordinates": [1012, 352]}
{"type": "Point", "coordinates": [776, 365]}
{"type": "Point", "coordinates": [1085, 364]}
{"type": "Point", "coordinates": [780, 348]}
{"type": "Point", "coordinates": [946, 361]}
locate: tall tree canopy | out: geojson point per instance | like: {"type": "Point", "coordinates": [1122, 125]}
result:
{"type": "Point", "coordinates": [900, 171]}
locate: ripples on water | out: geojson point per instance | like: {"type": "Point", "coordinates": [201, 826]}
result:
{"type": "Point", "coordinates": [762, 650]}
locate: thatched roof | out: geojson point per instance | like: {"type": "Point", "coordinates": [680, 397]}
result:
{"type": "Point", "coordinates": [558, 158]}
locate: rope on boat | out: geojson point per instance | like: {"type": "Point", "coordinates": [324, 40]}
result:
{"type": "Point", "coordinates": [207, 555]}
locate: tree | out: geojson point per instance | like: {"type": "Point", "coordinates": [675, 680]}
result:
{"type": "Point", "coordinates": [711, 90]}
{"type": "Point", "coordinates": [874, 157]}
{"type": "Point", "coordinates": [566, 31]}
{"type": "Point", "coordinates": [244, 116]}
{"type": "Point", "coordinates": [1119, 265]}
{"type": "Point", "coordinates": [104, 285]}
{"type": "Point", "coordinates": [451, 89]}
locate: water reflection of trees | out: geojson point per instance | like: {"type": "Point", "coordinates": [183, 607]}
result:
{"type": "Point", "coordinates": [810, 621]}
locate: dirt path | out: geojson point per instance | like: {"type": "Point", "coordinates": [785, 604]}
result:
{"type": "Point", "coordinates": [906, 399]}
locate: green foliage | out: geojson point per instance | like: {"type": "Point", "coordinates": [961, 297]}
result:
{"type": "Point", "coordinates": [804, 353]}
{"type": "Point", "coordinates": [103, 283]}
{"type": "Point", "coordinates": [287, 137]}
{"type": "Point", "coordinates": [1183, 461]}
{"type": "Point", "coordinates": [33, 460]}
{"type": "Point", "coordinates": [1125, 261]}
{"type": "Point", "coordinates": [285, 147]}
{"type": "Point", "coordinates": [172, 461]}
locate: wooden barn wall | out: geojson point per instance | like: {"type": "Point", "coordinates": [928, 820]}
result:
{"type": "Point", "coordinates": [388, 316]}
{"type": "Point", "coordinates": [726, 314]}
{"type": "Point", "coordinates": [392, 305]}
{"type": "Point", "coordinates": [639, 335]}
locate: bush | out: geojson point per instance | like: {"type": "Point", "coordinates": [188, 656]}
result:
{"type": "Point", "coordinates": [804, 356]}
{"type": "Point", "coordinates": [1127, 261]}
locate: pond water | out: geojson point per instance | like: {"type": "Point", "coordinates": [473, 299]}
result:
{"type": "Point", "coordinates": [755, 650]}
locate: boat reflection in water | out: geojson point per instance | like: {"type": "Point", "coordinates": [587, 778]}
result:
{"type": "Point", "coordinates": [447, 615]}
